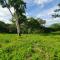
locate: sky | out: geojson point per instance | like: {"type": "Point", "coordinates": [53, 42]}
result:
{"type": "Point", "coordinates": [35, 8]}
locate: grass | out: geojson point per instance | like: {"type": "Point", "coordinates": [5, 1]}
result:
{"type": "Point", "coordinates": [30, 47]}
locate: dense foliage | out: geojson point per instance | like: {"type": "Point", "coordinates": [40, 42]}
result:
{"type": "Point", "coordinates": [7, 28]}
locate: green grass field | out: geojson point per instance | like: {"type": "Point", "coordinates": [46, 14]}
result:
{"type": "Point", "coordinates": [30, 47]}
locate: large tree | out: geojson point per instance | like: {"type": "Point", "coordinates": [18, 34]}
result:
{"type": "Point", "coordinates": [19, 8]}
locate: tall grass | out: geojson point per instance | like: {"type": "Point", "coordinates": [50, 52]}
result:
{"type": "Point", "coordinates": [29, 47]}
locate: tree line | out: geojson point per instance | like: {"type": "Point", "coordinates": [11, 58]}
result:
{"type": "Point", "coordinates": [31, 25]}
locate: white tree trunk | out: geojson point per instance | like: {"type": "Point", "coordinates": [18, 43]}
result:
{"type": "Point", "coordinates": [17, 23]}
{"type": "Point", "coordinates": [18, 28]}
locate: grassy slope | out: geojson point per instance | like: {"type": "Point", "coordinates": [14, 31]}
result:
{"type": "Point", "coordinates": [29, 47]}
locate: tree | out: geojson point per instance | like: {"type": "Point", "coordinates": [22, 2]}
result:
{"type": "Point", "coordinates": [2, 27]}
{"type": "Point", "coordinates": [19, 7]}
{"type": "Point", "coordinates": [56, 12]}
{"type": "Point", "coordinates": [10, 28]}
{"type": "Point", "coordinates": [35, 24]}
{"type": "Point", "coordinates": [41, 21]}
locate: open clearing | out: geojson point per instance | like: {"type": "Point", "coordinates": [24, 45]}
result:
{"type": "Point", "coordinates": [29, 47]}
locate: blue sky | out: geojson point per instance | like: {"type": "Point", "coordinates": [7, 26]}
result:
{"type": "Point", "coordinates": [35, 8]}
{"type": "Point", "coordinates": [43, 9]}
{"type": "Point", "coordinates": [39, 6]}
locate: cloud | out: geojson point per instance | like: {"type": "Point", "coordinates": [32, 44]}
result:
{"type": "Point", "coordinates": [47, 15]}
{"type": "Point", "coordinates": [42, 1]}
{"type": "Point", "coordinates": [52, 21]}
{"type": "Point", "coordinates": [5, 15]}
{"type": "Point", "coordinates": [39, 2]}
